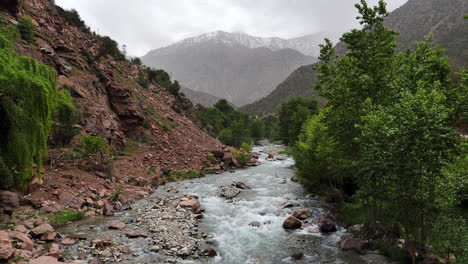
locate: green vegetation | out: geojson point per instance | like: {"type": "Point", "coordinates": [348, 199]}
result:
{"type": "Point", "coordinates": [93, 145]}
{"type": "Point", "coordinates": [110, 47]}
{"type": "Point", "coordinates": [66, 216]}
{"type": "Point", "coordinates": [117, 194]}
{"type": "Point", "coordinates": [186, 174]}
{"type": "Point", "coordinates": [293, 114]}
{"type": "Point", "coordinates": [65, 115]}
{"type": "Point", "coordinates": [385, 138]}
{"type": "Point", "coordinates": [27, 29]}
{"type": "Point", "coordinates": [27, 100]}
{"type": "Point", "coordinates": [72, 17]}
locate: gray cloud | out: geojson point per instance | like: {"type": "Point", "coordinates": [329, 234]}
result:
{"type": "Point", "coordinates": [143, 25]}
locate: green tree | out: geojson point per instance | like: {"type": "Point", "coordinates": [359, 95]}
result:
{"type": "Point", "coordinates": [175, 88]}
{"type": "Point", "coordinates": [224, 106]}
{"type": "Point", "coordinates": [257, 130]}
{"type": "Point", "coordinates": [289, 122]}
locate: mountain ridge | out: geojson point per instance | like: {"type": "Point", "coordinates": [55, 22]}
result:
{"type": "Point", "coordinates": [415, 21]}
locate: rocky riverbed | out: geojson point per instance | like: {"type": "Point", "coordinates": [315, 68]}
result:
{"type": "Point", "coordinates": [253, 215]}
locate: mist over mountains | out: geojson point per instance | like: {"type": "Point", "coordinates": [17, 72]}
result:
{"type": "Point", "coordinates": [235, 66]}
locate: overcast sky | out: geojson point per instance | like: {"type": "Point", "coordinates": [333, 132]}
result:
{"type": "Point", "coordinates": [144, 25]}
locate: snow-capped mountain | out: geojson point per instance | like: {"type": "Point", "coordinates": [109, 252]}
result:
{"type": "Point", "coordinates": [235, 66]}
{"type": "Point", "coordinates": [308, 45]}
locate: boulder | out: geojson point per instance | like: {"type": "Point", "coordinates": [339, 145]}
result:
{"type": "Point", "coordinates": [55, 251]}
{"type": "Point", "coordinates": [210, 252]}
{"type": "Point", "coordinates": [42, 229]}
{"type": "Point", "coordinates": [270, 157]}
{"type": "Point", "coordinates": [116, 225]}
{"type": "Point", "coordinates": [229, 192]}
{"type": "Point", "coordinates": [255, 224]}
{"type": "Point", "coordinates": [352, 244]}
{"type": "Point", "coordinates": [334, 196]}
{"type": "Point", "coordinates": [108, 208]}
{"type": "Point", "coordinates": [45, 260]}
{"type": "Point", "coordinates": [287, 205]}
{"type": "Point", "coordinates": [302, 214]}
{"type": "Point", "coordinates": [68, 199]}
{"type": "Point", "coordinates": [6, 249]}
{"type": "Point", "coordinates": [9, 199]}
{"type": "Point", "coordinates": [24, 241]}
{"type": "Point", "coordinates": [327, 224]}
{"type": "Point", "coordinates": [22, 229]}
{"type": "Point", "coordinates": [48, 237]}
{"type": "Point", "coordinates": [193, 204]}
{"type": "Point", "coordinates": [292, 223]}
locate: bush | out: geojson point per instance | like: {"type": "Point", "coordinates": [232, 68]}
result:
{"type": "Point", "coordinates": [450, 236]}
{"type": "Point", "coordinates": [247, 147]}
{"type": "Point", "coordinates": [136, 61]}
{"type": "Point", "coordinates": [93, 145]}
{"type": "Point", "coordinates": [174, 88]}
{"type": "Point", "coordinates": [72, 17]}
{"type": "Point", "coordinates": [242, 156]}
{"type": "Point", "coordinates": [27, 29]}
{"type": "Point", "coordinates": [142, 80]}
{"type": "Point", "coordinates": [110, 47]}
{"type": "Point", "coordinates": [186, 174]}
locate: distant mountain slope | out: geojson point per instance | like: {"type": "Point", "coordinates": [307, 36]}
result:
{"type": "Point", "coordinates": [234, 66]}
{"type": "Point", "coordinates": [415, 20]}
{"type": "Point", "coordinates": [199, 97]}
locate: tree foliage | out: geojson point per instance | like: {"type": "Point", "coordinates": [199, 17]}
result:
{"type": "Point", "coordinates": [293, 114]}
{"type": "Point", "coordinates": [386, 130]}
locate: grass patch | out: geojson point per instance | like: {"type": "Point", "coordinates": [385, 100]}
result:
{"type": "Point", "coordinates": [65, 217]}
{"type": "Point", "coordinates": [352, 214]}
{"type": "Point", "coordinates": [73, 155]}
{"type": "Point", "coordinates": [278, 142]}
{"type": "Point", "coordinates": [152, 170]}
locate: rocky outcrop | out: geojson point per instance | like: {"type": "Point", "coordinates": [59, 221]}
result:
{"type": "Point", "coordinates": [352, 244]}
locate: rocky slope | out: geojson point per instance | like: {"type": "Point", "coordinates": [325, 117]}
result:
{"type": "Point", "coordinates": [415, 21]}
{"type": "Point", "coordinates": [236, 67]}
{"type": "Point", "coordinates": [152, 139]}
{"type": "Point", "coordinates": [197, 97]}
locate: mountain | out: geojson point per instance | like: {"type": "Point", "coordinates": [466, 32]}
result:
{"type": "Point", "coordinates": [415, 20]}
{"type": "Point", "coordinates": [200, 97]}
{"type": "Point", "coordinates": [234, 66]}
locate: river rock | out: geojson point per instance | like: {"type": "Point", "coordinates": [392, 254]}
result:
{"type": "Point", "coordinates": [45, 260]}
{"type": "Point", "coordinates": [297, 256]}
{"type": "Point", "coordinates": [326, 224]}
{"type": "Point", "coordinates": [255, 224]}
{"type": "Point", "coordinates": [287, 205]}
{"type": "Point", "coordinates": [135, 235]}
{"type": "Point", "coordinates": [270, 157]}
{"type": "Point", "coordinates": [48, 237]}
{"type": "Point", "coordinates": [193, 204]}
{"type": "Point", "coordinates": [6, 249]}
{"type": "Point", "coordinates": [292, 223]}
{"type": "Point", "coordinates": [229, 192]}
{"type": "Point", "coordinates": [302, 214]}
{"type": "Point", "coordinates": [42, 229]}
{"type": "Point", "coordinates": [24, 241]}
{"type": "Point", "coordinates": [68, 241]}
{"type": "Point", "coordinates": [352, 244]}
{"type": "Point", "coordinates": [117, 225]}
{"type": "Point", "coordinates": [241, 185]}
{"type": "Point", "coordinates": [210, 252]}
{"type": "Point", "coordinates": [55, 251]}
{"type": "Point", "coordinates": [108, 208]}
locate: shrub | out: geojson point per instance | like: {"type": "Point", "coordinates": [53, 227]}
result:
{"type": "Point", "coordinates": [450, 236]}
{"type": "Point", "coordinates": [117, 195]}
{"type": "Point", "coordinates": [27, 29]}
{"type": "Point", "coordinates": [142, 80]}
{"type": "Point", "coordinates": [186, 174]}
{"type": "Point", "coordinates": [247, 147]}
{"type": "Point", "coordinates": [174, 88]}
{"type": "Point", "coordinates": [72, 17]}
{"type": "Point", "coordinates": [110, 47]}
{"type": "Point", "coordinates": [136, 61]}
{"type": "Point", "coordinates": [242, 156]}
{"type": "Point", "coordinates": [93, 145]}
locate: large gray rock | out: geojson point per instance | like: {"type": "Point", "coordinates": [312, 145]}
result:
{"type": "Point", "coordinates": [229, 192]}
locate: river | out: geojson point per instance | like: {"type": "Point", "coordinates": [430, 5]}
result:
{"type": "Point", "coordinates": [227, 221]}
